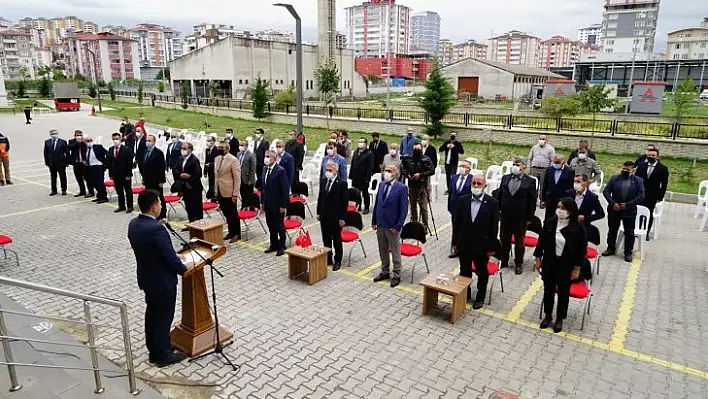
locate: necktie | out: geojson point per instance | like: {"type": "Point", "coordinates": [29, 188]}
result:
{"type": "Point", "coordinates": [460, 183]}
{"type": "Point", "coordinates": [386, 190]}
{"type": "Point", "coordinates": [265, 181]}
{"type": "Point", "coordinates": [376, 146]}
{"type": "Point", "coordinates": [54, 144]}
{"type": "Point", "coordinates": [650, 170]}
{"type": "Point", "coordinates": [147, 156]}
{"type": "Point", "coordinates": [329, 186]}
{"type": "Point", "coordinates": [115, 153]}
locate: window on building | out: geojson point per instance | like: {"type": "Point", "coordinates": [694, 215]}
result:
{"type": "Point", "coordinates": [240, 81]}
{"type": "Point", "coordinates": [701, 56]}
{"type": "Point", "coordinates": [246, 81]}
{"type": "Point", "coordinates": [676, 56]}
{"type": "Point", "coordinates": [703, 44]}
{"type": "Point", "coordinates": [686, 45]}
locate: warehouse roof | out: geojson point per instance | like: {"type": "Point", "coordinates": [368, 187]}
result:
{"type": "Point", "coordinates": [514, 69]}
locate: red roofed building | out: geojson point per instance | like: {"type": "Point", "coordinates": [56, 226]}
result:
{"type": "Point", "coordinates": [16, 54]}
{"type": "Point", "coordinates": [407, 68]}
{"type": "Point", "coordinates": [116, 57]}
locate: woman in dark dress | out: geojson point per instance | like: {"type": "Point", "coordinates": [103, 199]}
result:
{"type": "Point", "coordinates": [559, 255]}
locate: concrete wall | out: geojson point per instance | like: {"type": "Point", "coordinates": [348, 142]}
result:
{"type": "Point", "coordinates": [492, 81]}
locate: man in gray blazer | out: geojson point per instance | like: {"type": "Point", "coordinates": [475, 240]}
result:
{"type": "Point", "coordinates": [248, 170]}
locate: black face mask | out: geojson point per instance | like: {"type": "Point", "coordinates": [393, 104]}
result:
{"type": "Point", "coordinates": [651, 160]}
{"type": "Point", "coordinates": [452, 138]}
{"type": "Point", "coordinates": [625, 173]}
{"type": "Point", "coordinates": [417, 154]}
{"type": "Point", "coordinates": [218, 151]}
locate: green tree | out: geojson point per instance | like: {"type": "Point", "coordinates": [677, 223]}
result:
{"type": "Point", "coordinates": [24, 73]}
{"type": "Point", "coordinates": [161, 86]}
{"type": "Point", "coordinates": [328, 77]}
{"type": "Point", "coordinates": [184, 93]}
{"type": "Point", "coordinates": [558, 107]}
{"type": "Point", "coordinates": [594, 99]}
{"type": "Point", "coordinates": [44, 88]}
{"type": "Point", "coordinates": [92, 91]}
{"type": "Point", "coordinates": [373, 79]}
{"type": "Point", "coordinates": [259, 96]}
{"type": "Point", "coordinates": [683, 98]}
{"type": "Point", "coordinates": [163, 76]}
{"type": "Point", "coordinates": [20, 89]}
{"type": "Point", "coordinates": [437, 100]}
{"type": "Point", "coordinates": [286, 97]}
{"type": "Point", "coordinates": [140, 92]}
{"type": "Point", "coordinates": [111, 91]}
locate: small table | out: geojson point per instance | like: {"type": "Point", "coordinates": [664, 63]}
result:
{"type": "Point", "coordinates": [299, 259]}
{"type": "Point", "coordinates": [456, 289]}
{"type": "Point", "coordinates": [209, 230]}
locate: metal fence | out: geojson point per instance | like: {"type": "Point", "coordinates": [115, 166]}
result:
{"type": "Point", "coordinates": [544, 123]}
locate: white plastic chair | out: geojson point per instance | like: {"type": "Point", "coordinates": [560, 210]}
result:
{"type": "Point", "coordinates": [494, 175]}
{"type": "Point", "coordinates": [704, 221]}
{"type": "Point", "coordinates": [506, 167]}
{"type": "Point", "coordinates": [306, 176]}
{"type": "Point", "coordinates": [702, 197]}
{"type": "Point", "coordinates": [596, 187]}
{"type": "Point", "coordinates": [373, 192]}
{"type": "Point", "coordinates": [658, 213]}
{"type": "Point", "coordinates": [435, 181]}
{"type": "Point", "coordinates": [321, 150]}
{"type": "Point", "coordinates": [473, 162]}
{"type": "Point", "coordinates": [99, 140]}
{"type": "Point", "coordinates": [641, 227]}
{"type": "Point", "coordinates": [537, 182]}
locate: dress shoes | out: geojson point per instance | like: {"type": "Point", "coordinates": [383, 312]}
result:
{"type": "Point", "coordinates": [95, 200]}
{"type": "Point", "coordinates": [280, 252]}
{"type": "Point", "coordinates": [89, 195]}
{"type": "Point", "coordinates": [129, 210]}
{"type": "Point", "coordinates": [184, 229]}
{"type": "Point", "coordinates": [8, 182]}
{"type": "Point", "coordinates": [478, 305]}
{"type": "Point", "coordinates": [381, 277]}
{"type": "Point", "coordinates": [337, 266]}
{"type": "Point", "coordinates": [395, 280]}
{"type": "Point", "coordinates": [63, 193]}
{"type": "Point", "coordinates": [453, 255]}
{"type": "Point", "coordinates": [546, 321]}
{"type": "Point", "coordinates": [2, 183]}
{"type": "Point", "coordinates": [366, 212]}
{"type": "Point", "coordinates": [101, 201]}
{"type": "Point", "coordinates": [519, 270]}
{"type": "Point", "coordinates": [177, 357]}
{"type": "Point", "coordinates": [53, 193]}
{"type": "Point", "coordinates": [270, 250]}
{"type": "Point", "coordinates": [628, 258]}
{"type": "Point", "coordinates": [608, 252]}
{"type": "Point", "coordinates": [119, 210]}
{"type": "Point", "coordinates": [79, 195]}
{"type": "Point", "coordinates": [558, 327]}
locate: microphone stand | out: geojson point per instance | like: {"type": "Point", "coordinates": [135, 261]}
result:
{"type": "Point", "coordinates": [219, 348]}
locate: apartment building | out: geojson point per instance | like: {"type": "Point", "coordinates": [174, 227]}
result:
{"type": "Point", "coordinates": [378, 27]}
{"type": "Point", "coordinates": [515, 47]}
{"type": "Point", "coordinates": [469, 49]}
{"type": "Point", "coordinates": [559, 51]}
{"type": "Point", "coordinates": [5, 24]}
{"type": "Point", "coordinates": [425, 32]}
{"type": "Point", "coordinates": [590, 34]}
{"type": "Point", "coordinates": [108, 56]}
{"type": "Point", "coordinates": [157, 45]}
{"type": "Point", "coordinates": [16, 55]}
{"type": "Point", "coordinates": [118, 30]}
{"type": "Point", "coordinates": [688, 43]}
{"type": "Point", "coordinates": [629, 26]}
{"type": "Point", "coordinates": [445, 51]}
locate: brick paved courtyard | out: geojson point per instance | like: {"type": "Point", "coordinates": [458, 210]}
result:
{"type": "Point", "coordinates": [349, 337]}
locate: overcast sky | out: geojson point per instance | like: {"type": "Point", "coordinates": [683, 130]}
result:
{"type": "Point", "coordinates": [461, 19]}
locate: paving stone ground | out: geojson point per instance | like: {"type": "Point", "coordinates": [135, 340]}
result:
{"type": "Point", "coordinates": [349, 337]}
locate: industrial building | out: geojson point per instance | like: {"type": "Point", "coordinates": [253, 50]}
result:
{"type": "Point", "coordinates": [490, 79]}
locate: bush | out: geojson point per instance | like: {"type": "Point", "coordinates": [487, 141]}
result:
{"type": "Point", "coordinates": [286, 97]}
{"type": "Point", "coordinates": [559, 107]}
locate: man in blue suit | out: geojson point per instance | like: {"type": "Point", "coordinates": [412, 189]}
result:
{"type": "Point", "coordinates": [558, 180]}
{"type": "Point", "coordinates": [152, 165]}
{"type": "Point", "coordinates": [56, 158]}
{"type": "Point", "coordinates": [275, 192]}
{"type": "Point", "coordinates": [158, 267]}
{"type": "Point", "coordinates": [623, 193]}
{"type": "Point", "coordinates": [174, 155]}
{"type": "Point", "coordinates": [332, 156]}
{"type": "Point", "coordinates": [389, 216]}
{"type": "Point", "coordinates": [96, 159]}
{"type": "Point", "coordinates": [589, 207]}
{"type": "Point", "coordinates": [408, 142]}
{"type": "Point", "coordinates": [286, 161]}
{"type": "Point", "coordinates": [460, 185]}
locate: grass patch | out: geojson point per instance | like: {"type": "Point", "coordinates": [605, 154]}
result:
{"type": "Point", "coordinates": [685, 174]}
{"type": "Point", "coordinates": [21, 103]}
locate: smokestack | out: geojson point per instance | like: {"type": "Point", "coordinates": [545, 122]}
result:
{"type": "Point", "coordinates": [327, 27]}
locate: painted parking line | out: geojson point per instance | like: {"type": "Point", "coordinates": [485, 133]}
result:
{"type": "Point", "coordinates": [7, 215]}
{"type": "Point", "coordinates": [515, 314]}
{"type": "Point", "coordinates": [619, 332]}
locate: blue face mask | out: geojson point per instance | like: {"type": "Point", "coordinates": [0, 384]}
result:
{"type": "Point", "coordinates": [557, 166]}
{"type": "Point", "coordinates": [149, 145]}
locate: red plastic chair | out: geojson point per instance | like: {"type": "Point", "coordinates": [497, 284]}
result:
{"type": "Point", "coordinates": [170, 200]}
{"type": "Point", "coordinates": [110, 188]}
{"type": "Point", "coordinates": [4, 241]}
{"type": "Point", "coordinates": [251, 211]}
{"type": "Point", "coordinates": [494, 270]}
{"type": "Point", "coordinates": [581, 291]}
{"type": "Point", "coordinates": [210, 206]}
{"type": "Point", "coordinates": [351, 232]}
{"type": "Point", "coordinates": [137, 190]}
{"type": "Point", "coordinates": [294, 218]}
{"type": "Point", "coordinates": [415, 232]}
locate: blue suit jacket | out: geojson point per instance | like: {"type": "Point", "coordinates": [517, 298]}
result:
{"type": "Point", "coordinates": [275, 192]}
{"type": "Point", "coordinates": [288, 163]}
{"type": "Point", "coordinates": [56, 157]}
{"type": "Point", "coordinates": [613, 191]}
{"type": "Point", "coordinates": [591, 207]}
{"type": "Point", "coordinates": [339, 160]}
{"type": "Point", "coordinates": [392, 212]}
{"type": "Point", "coordinates": [454, 194]}
{"type": "Point", "coordinates": [158, 263]}
{"type": "Point", "coordinates": [173, 154]}
{"type": "Point", "coordinates": [407, 144]}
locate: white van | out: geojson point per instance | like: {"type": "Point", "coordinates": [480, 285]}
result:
{"type": "Point", "coordinates": [704, 95]}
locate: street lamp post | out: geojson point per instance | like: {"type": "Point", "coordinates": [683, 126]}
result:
{"type": "Point", "coordinates": [298, 61]}
{"type": "Point", "coordinates": [95, 77]}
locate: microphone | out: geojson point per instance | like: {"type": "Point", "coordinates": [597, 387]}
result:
{"type": "Point", "coordinates": [165, 223]}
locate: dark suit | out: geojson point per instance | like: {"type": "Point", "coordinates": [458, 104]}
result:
{"type": "Point", "coordinates": [477, 238]}
{"type": "Point", "coordinates": [153, 167]}
{"type": "Point", "coordinates": [360, 173]}
{"type": "Point", "coordinates": [77, 158]}
{"type": "Point", "coordinates": [558, 267]}
{"type": "Point", "coordinates": [614, 195]}
{"type": "Point", "coordinates": [574, 154]}
{"type": "Point", "coordinates": [590, 208]}
{"type": "Point", "coordinates": [331, 208]}
{"type": "Point", "coordinates": [455, 194]}
{"type": "Point", "coordinates": [274, 196]}
{"type": "Point", "coordinates": [288, 163]}
{"type": "Point", "coordinates": [209, 157]}
{"type": "Point", "coordinates": [259, 150]}
{"type": "Point", "coordinates": [173, 158]}
{"type": "Point", "coordinates": [138, 149]}
{"type": "Point", "coordinates": [654, 185]}
{"type": "Point", "coordinates": [432, 153]}
{"type": "Point", "coordinates": [56, 158]}
{"type": "Point", "coordinates": [192, 187]}
{"type": "Point", "coordinates": [120, 170]}
{"type": "Point", "coordinates": [552, 191]}
{"type": "Point", "coordinates": [94, 173]}
{"type": "Point", "coordinates": [234, 144]}
{"type": "Point", "coordinates": [157, 267]}
{"type": "Point", "coordinates": [379, 150]}
{"type": "Point", "coordinates": [516, 211]}
{"type": "Point", "coordinates": [451, 166]}
{"type": "Point", "coordinates": [297, 150]}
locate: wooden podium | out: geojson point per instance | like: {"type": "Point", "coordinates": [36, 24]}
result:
{"type": "Point", "coordinates": [196, 333]}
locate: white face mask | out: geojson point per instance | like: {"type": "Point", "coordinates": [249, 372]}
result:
{"type": "Point", "coordinates": [139, 134]}
{"type": "Point", "coordinates": [541, 142]}
{"type": "Point", "coordinates": [393, 152]}
{"type": "Point", "coordinates": [425, 143]}
{"type": "Point", "coordinates": [54, 135]}
{"type": "Point", "coordinates": [266, 161]}
{"type": "Point", "coordinates": [259, 136]}
{"type": "Point", "coordinates": [462, 171]}
{"type": "Point", "coordinates": [229, 135]}
{"type": "Point", "coordinates": [280, 150]}
{"type": "Point", "coordinates": [242, 148]}
{"type": "Point", "coordinates": [388, 176]}
{"type": "Point", "coordinates": [361, 146]}
{"type": "Point", "coordinates": [562, 214]}
{"type": "Point", "coordinates": [210, 144]}
{"type": "Point", "coordinates": [515, 170]}
{"type": "Point", "coordinates": [330, 175]}
{"type": "Point", "coordinates": [116, 142]}
{"type": "Point", "coordinates": [476, 191]}
{"type": "Point", "coordinates": [582, 156]}
{"type": "Point", "coordinates": [330, 152]}
{"type": "Point", "coordinates": [184, 153]}
{"type": "Point", "coordinates": [578, 187]}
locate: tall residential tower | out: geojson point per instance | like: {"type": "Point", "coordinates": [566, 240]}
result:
{"type": "Point", "coordinates": [425, 32]}
{"type": "Point", "coordinates": [629, 26]}
{"type": "Point", "coordinates": [378, 27]}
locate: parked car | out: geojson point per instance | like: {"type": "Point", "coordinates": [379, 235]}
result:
{"type": "Point", "coordinates": [704, 95]}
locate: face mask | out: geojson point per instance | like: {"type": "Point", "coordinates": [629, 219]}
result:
{"type": "Point", "coordinates": [625, 173]}
{"type": "Point", "coordinates": [410, 134]}
{"type": "Point", "coordinates": [242, 148]}
{"type": "Point", "coordinates": [424, 142]}
{"type": "Point", "coordinates": [562, 214]}
{"type": "Point", "coordinates": [476, 191]}
{"type": "Point", "coordinates": [515, 170]}
{"type": "Point", "coordinates": [541, 142]}
{"type": "Point", "coordinates": [330, 152]}
{"type": "Point", "coordinates": [229, 135]}
{"type": "Point", "coordinates": [330, 175]}
{"type": "Point", "coordinates": [582, 156]}
{"type": "Point", "coordinates": [210, 144]}
{"type": "Point", "coordinates": [280, 150]}
{"type": "Point", "coordinates": [218, 151]}
{"type": "Point", "coordinates": [388, 176]}
{"type": "Point", "coordinates": [184, 153]}
{"type": "Point", "coordinates": [651, 160]}
{"type": "Point", "coordinates": [578, 187]}
{"type": "Point", "coordinates": [393, 153]}
{"type": "Point", "coordinates": [557, 166]}
{"type": "Point", "coordinates": [149, 145]}
{"type": "Point", "coordinates": [89, 144]}
{"type": "Point", "coordinates": [259, 136]}
{"type": "Point", "coordinates": [54, 135]}
{"type": "Point", "coordinates": [266, 161]}
{"type": "Point", "coordinates": [116, 142]}
{"type": "Point", "coordinates": [452, 138]}
{"type": "Point", "coordinates": [462, 171]}
{"type": "Point", "coordinates": [139, 134]}
{"type": "Point", "coordinates": [361, 146]}
{"type": "Point", "coordinates": [332, 140]}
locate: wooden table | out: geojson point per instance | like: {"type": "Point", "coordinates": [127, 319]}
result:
{"type": "Point", "coordinates": [299, 260]}
{"type": "Point", "coordinates": [209, 230]}
{"type": "Point", "coordinates": [456, 289]}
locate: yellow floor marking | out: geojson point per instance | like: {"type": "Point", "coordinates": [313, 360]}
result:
{"type": "Point", "coordinates": [7, 215]}
{"type": "Point", "coordinates": [619, 333]}
{"type": "Point", "coordinates": [525, 300]}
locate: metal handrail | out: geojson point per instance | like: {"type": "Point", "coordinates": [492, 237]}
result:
{"type": "Point", "coordinates": [87, 299]}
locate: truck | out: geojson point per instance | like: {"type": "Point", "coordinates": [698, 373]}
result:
{"type": "Point", "coordinates": [66, 96]}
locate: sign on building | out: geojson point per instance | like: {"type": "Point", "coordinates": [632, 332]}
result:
{"type": "Point", "coordinates": [647, 97]}
{"type": "Point", "coordinates": [559, 88]}
{"type": "Point", "coordinates": [612, 85]}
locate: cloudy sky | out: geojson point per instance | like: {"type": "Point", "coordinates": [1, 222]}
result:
{"type": "Point", "coordinates": [461, 19]}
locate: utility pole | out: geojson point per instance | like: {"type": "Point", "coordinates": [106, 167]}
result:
{"type": "Point", "coordinates": [388, 59]}
{"type": "Point", "coordinates": [95, 77]}
{"type": "Point", "coordinates": [298, 62]}
{"type": "Point", "coordinates": [629, 86]}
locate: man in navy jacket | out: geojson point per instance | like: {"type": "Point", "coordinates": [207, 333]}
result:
{"type": "Point", "coordinates": [389, 215]}
{"type": "Point", "coordinates": [157, 267]}
{"type": "Point", "coordinates": [275, 196]}
{"type": "Point", "coordinates": [589, 207]}
{"type": "Point", "coordinates": [623, 193]}
{"type": "Point", "coordinates": [460, 185]}
{"type": "Point", "coordinates": [558, 180]}
{"type": "Point", "coordinates": [285, 160]}
{"type": "Point", "coordinates": [56, 158]}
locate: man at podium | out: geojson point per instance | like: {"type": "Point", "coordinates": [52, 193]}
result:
{"type": "Point", "coordinates": [158, 266]}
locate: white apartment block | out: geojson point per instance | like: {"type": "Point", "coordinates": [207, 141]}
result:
{"type": "Point", "coordinates": [16, 54]}
{"type": "Point", "coordinates": [425, 32]}
{"type": "Point", "coordinates": [118, 30]}
{"type": "Point", "coordinates": [5, 24]}
{"type": "Point", "coordinates": [516, 48]}
{"type": "Point", "coordinates": [629, 26]}
{"type": "Point", "coordinates": [445, 51]}
{"type": "Point", "coordinates": [688, 43]}
{"type": "Point", "coordinates": [590, 34]}
{"type": "Point", "coordinates": [377, 28]}
{"type": "Point", "coordinates": [55, 29]}
{"type": "Point", "coordinates": [157, 45]}
{"type": "Point", "coordinates": [559, 51]}
{"type": "Point", "coordinates": [469, 49]}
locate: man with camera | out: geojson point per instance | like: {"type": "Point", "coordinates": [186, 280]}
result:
{"type": "Point", "coordinates": [418, 168]}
